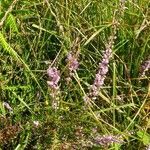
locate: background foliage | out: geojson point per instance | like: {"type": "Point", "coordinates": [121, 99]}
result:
{"type": "Point", "coordinates": [39, 33]}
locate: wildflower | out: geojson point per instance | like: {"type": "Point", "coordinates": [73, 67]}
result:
{"type": "Point", "coordinates": [54, 77]}
{"type": "Point", "coordinates": [106, 140]}
{"type": "Point", "coordinates": [103, 66]}
{"type": "Point", "coordinates": [102, 71]}
{"type": "Point", "coordinates": [73, 63]}
{"type": "Point", "coordinates": [6, 105]}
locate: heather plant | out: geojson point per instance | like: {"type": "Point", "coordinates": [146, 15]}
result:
{"type": "Point", "coordinates": [74, 74]}
{"type": "Point", "coordinates": [104, 64]}
{"type": "Point", "coordinates": [72, 61]}
{"type": "Point", "coordinates": [106, 140]}
{"type": "Point", "coordinates": [54, 77]}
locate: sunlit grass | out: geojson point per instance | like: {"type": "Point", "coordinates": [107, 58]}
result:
{"type": "Point", "coordinates": [39, 34]}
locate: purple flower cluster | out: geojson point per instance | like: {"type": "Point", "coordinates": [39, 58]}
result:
{"type": "Point", "coordinates": [54, 77]}
{"type": "Point", "coordinates": [73, 63]}
{"type": "Point", "coordinates": [106, 140]}
{"type": "Point", "coordinates": [102, 71]}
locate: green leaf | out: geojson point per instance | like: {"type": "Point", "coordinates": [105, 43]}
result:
{"type": "Point", "coordinates": [15, 56]}
{"type": "Point", "coordinates": [11, 23]}
{"type": "Point", "coordinates": [145, 137]}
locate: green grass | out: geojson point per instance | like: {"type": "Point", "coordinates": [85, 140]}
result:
{"type": "Point", "coordinates": [39, 33]}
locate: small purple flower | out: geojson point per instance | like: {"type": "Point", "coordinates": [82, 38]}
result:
{"type": "Point", "coordinates": [101, 74]}
{"type": "Point", "coordinates": [73, 63]}
{"type": "Point", "coordinates": [54, 77]}
{"type": "Point", "coordinates": [99, 80]}
{"type": "Point", "coordinates": [106, 140]}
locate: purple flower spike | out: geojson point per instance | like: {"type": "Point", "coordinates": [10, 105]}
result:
{"type": "Point", "coordinates": [54, 77]}
{"type": "Point", "coordinates": [73, 63]}
{"type": "Point", "coordinates": [107, 140]}
{"type": "Point", "coordinates": [101, 74]}
{"type": "Point", "coordinates": [99, 80]}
